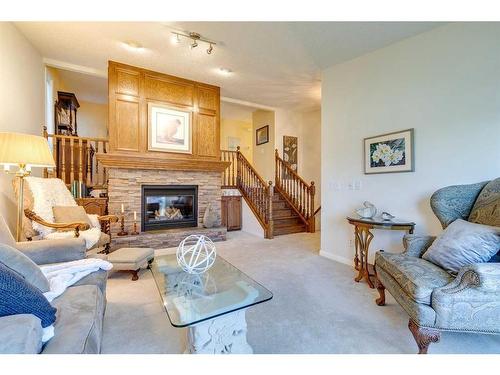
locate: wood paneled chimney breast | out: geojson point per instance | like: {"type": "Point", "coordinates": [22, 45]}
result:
{"type": "Point", "coordinates": [131, 89]}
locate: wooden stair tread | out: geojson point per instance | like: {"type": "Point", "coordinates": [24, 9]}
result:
{"type": "Point", "coordinates": [288, 230]}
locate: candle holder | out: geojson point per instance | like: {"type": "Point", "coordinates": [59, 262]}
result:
{"type": "Point", "coordinates": [135, 232]}
{"type": "Point", "coordinates": [122, 232]}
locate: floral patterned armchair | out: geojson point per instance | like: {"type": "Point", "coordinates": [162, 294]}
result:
{"type": "Point", "coordinates": [434, 299]}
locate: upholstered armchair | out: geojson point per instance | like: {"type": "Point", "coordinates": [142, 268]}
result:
{"type": "Point", "coordinates": [434, 299]}
{"type": "Point", "coordinates": [41, 195]}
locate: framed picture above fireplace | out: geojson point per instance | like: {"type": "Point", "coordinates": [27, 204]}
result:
{"type": "Point", "coordinates": [169, 129]}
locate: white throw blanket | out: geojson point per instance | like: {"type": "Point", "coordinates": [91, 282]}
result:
{"type": "Point", "coordinates": [63, 275]}
{"type": "Point", "coordinates": [51, 192]}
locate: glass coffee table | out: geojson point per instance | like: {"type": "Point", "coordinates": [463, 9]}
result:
{"type": "Point", "coordinates": [211, 305]}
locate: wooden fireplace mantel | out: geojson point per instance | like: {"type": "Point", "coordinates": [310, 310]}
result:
{"type": "Point", "coordinates": [127, 161]}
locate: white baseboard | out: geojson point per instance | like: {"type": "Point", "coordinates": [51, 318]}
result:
{"type": "Point", "coordinates": [336, 258]}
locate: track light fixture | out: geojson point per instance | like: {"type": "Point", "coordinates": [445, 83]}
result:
{"type": "Point", "coordinates": [195, 38]}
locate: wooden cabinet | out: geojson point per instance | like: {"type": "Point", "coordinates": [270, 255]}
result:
{"type": "Point", "coordinates": [231, 212]}
{"type": "Point", "coordinates": [96, 206]}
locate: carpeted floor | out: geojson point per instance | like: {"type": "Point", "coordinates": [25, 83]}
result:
{"type": "Point", "coordinates": [317, 307]}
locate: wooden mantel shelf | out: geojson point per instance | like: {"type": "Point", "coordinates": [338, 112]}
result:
{"type": "Point", "coordinates": [126, 161]}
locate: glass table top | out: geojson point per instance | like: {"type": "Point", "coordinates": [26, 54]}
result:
{"type": "Point", "coordinates": [381, 222]}
{"type": "Point", "coordinates": [190, 299]}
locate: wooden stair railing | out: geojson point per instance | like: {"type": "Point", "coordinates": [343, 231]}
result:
{"type": "Point", "coordinates": [258, 193]}
{"type": "Point", "coordinates": [230, 174]}
{"type": "Point", "coordinates": [75, 159]}
{"type": "Point", "coordinates": [298, 193]}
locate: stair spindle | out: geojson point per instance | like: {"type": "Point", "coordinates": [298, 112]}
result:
{"type": "Point", "coordinates": [63, 160]}
{"type": "Point", "coordinates": [80, 160]}
{"type": "Point", "coordinates": [72, 159]}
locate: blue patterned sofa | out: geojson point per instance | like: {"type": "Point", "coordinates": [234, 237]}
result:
{"type": "Point", "coordinates": [434, 299]}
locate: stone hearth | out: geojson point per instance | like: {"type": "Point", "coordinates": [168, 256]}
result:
{"type": "Point", "coordinates": [124, 187]}
{"type": "Point", "coordinates": [166, 238]}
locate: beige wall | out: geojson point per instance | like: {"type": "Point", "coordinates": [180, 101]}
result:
{"type": "Point", "coordinates": [263, 155]}
{"type": "Point", "coordinates": [306, 126]}
{"type": "Point", "coordinates": [443, 83]}
{"type": "Point", "coordinates": [92, 120]}
{"type": "Point", "coordinates": [21, 97]}
{"type": "Point", "coordinates": [238, 129]}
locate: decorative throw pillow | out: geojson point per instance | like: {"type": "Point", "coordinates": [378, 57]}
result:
{"type": "Point", "coordinates": [463, 243]}
{"type": "Point", "coordinates": [70, 214]}
{"type": "Point", "coordinates": [24, 266]}
{"type": "Point", "coordinates": [17, 296]}
{"type": "Point", "coordinates": [486, 209]}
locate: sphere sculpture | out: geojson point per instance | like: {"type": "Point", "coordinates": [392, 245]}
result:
{"type": "Point", "coordinates": [196, 285]}
{"type": "Point", "coordinates": [196, 254]}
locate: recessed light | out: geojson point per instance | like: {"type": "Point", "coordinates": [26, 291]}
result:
{"type": "Point", "coordinates": [225, 71]}
{"type": "Point", "coordinates": [133, 45]}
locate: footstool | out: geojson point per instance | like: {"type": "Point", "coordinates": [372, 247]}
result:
{"type": "Point", "coordinates": [131, 259]}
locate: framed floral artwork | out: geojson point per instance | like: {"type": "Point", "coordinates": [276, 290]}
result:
{"type": "Point", "coordinates": [262, 135]}
{"type": "Point", "coordinates": [389, 153]}
{"type": "Point", "coordinates": [290, 151]}
{"type": "Point", "coordinates": [169, 130]}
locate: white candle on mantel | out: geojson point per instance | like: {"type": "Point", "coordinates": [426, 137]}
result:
{"type": "Point", "coordinates": [135, 215]}
{"type": "Point", "coordinates": [123, 209]}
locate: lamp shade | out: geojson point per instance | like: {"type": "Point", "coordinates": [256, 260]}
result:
{"type": "Point", "coordinates": [19, 148]}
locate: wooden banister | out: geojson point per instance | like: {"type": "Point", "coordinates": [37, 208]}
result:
{"type": "Point", "coordinates": [75, 159]}
{"type": "Point", "coordinates": [258, 193]}
{"type": "Point", "coordinates": [296, 191]}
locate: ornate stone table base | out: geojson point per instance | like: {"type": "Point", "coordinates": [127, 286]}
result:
{"type": "Point", "coordinates": [226, 334]}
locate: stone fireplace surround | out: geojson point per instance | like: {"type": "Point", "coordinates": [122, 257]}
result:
{"type": "Point", "coordinates": [125, 186]}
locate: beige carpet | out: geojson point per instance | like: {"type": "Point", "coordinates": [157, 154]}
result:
{"type": "Point", "coordinates": [317, 307]}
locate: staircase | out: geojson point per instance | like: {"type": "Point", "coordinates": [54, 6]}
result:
{"type": "Point", "coordinates": [286, 220]}
{"type": "Point", "coordinates": [286, 208]}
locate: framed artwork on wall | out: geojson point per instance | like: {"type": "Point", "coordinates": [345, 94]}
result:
{"type": "Point", "coordinates": [169, 130]}
{"type": "Point", "coordinates": [389, 153]}
{"type": "Point", "coordinates": [262, 135]}
{"type": "Point", "coordinates": [290, 151]}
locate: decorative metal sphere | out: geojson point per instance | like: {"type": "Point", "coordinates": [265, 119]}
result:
{"type": "Point", "coordinates": [196, 285]}
{"type": "Point", "coordinates": [196, 254]}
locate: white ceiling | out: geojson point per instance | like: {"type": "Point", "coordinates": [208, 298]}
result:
{"type": "Point", "coordinates": [85, 87]}
{"type": "Point", "coordinates": [275, 63]}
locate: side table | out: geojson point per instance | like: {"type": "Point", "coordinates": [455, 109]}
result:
{"type": "Point", "coordinates": [363, 237]}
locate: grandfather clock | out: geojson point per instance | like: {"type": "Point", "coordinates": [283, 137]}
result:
{"type": "Point", "coordinates": [65, 113]}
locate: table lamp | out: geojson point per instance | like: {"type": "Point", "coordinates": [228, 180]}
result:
{"type": "Point", "coordinates": [23, 151]}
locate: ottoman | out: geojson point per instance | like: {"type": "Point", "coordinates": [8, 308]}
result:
{"type": "Point", "coordinates": [131, 259]}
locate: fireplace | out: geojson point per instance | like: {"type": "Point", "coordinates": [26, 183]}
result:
{"type": "Point", "coordinates": [169, 206]}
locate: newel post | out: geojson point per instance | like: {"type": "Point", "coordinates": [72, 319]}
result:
{"type": "Point", "coordinates": [270, 222]}
{"type": "Point", "coordinates": [45, 135]}
{"type": "Point", "coordinates": [276, 166]}
{"type": "Point", "coordinates": [238, 167]}
{"type": "Point", "coordinates": [312, 220]}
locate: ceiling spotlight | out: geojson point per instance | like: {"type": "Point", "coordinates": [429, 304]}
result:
{"type": "Point", "coordinates": [210, 49]}
{"type": "Point", "coordinates": [194, 44]}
